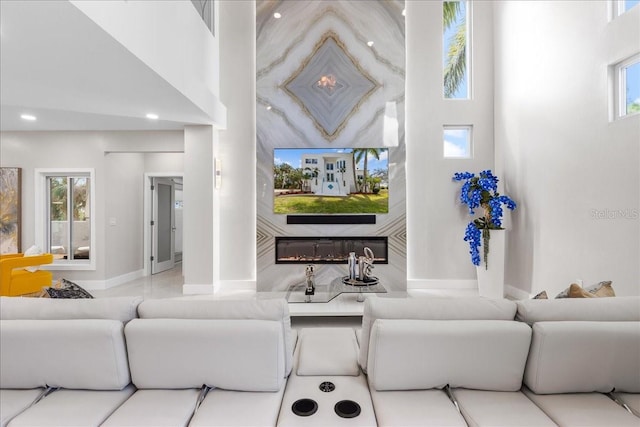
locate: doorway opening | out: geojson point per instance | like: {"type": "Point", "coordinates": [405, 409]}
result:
{"type": "Point", "coordinates": [163, 222]}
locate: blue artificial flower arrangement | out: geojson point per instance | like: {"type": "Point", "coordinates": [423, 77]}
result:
{"type": "Point", "coordinates": [482, 192]}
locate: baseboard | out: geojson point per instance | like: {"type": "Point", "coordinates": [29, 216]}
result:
{"type": "Point", "coordinates": [235, 285]}
{"type": "Point", "coordinates": [194, 289]}
{"type": "Point", "coordinates": [441, 284]}
{"type": "Point", "coordinates": [100, 285]}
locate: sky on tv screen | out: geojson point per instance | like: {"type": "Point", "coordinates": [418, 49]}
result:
{"type": "Point", "coordinates": [293, 156]}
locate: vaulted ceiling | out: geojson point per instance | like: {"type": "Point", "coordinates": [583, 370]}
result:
{"type": "Point", "coordinates": [59, 66]}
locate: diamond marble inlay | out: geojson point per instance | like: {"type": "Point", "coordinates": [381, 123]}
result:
{"type": "Point", "coordinates": [330, 85]}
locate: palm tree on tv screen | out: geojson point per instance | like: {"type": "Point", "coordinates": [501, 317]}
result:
{"type": "Point", "coordinates": [364, 153]}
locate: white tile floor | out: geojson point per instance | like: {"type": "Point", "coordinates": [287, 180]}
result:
{"type": "Point", "coordinates": [343, 311]}
{"type": "Point", "coordinates": [167, 284]}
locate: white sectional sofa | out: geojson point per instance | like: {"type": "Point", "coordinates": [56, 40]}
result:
{"type": "Point", "coordinates": [584, 364]}
{"type": "Point", "coordinates": [415, 362]}
{"type": "Point", "coordinates": [65, 363]}
{"type": "Point", "coordinates": [447, 362]}
{"type": "Point", "coordinates": [424, 362]}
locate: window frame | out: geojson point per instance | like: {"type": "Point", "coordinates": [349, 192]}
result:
{"type": "Point", "coordinates": [619, 87]}
{"type": "Point", "coordinates": [468, 53]}
{"type": "Point", "coordinates": [467, 127]}
{"type": "Point", "coordinates": [618, 8]}
{"type": "Point", "coordinates": [42, 215]}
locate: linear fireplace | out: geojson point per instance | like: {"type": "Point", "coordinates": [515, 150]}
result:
{"type": "Point", "coordinates": [328, 250]}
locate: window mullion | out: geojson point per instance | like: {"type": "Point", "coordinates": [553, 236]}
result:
{"type": "Point", "coordinates": [70, 216]}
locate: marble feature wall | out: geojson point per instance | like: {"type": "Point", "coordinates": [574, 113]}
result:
{"type": "Point", "coordinates": [330, 74]}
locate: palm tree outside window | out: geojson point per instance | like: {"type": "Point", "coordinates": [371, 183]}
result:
{"type": "Point", "coordinates": [456, 52]}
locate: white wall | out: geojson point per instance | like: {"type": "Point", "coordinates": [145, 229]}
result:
{"type": "Point", "coordinates": [559, 155]}
{"type": "Point", "coordinates": [32, 150]}
{"type": "Point", "coordinates": [163, 162]}
{"type": "Point", "coordinates": [437, 255]}
{"type": "Point", "coordinates": [199, 262]}
{"type": "Point", "coordinates": [118, 184]}
{"type": "Point", "coordinates": [123, 191]}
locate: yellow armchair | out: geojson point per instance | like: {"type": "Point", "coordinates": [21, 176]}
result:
{"type": "Point", "coordinates": [15, 280]}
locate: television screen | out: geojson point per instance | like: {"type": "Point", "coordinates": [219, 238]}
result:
{"type": "Point", "coordinates": [331, 181]}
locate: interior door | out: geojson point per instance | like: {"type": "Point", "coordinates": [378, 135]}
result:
{"type": "Point", "coordinates": [163, 225]}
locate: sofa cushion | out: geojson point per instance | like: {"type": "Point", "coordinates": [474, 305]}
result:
{"type": "Point", "coordinates": [117, 308]}
{"type": "Point", "coordinates": [14, 401]}
{"type": "Point", "coordinates": [243, 355]}
{"type": "Point", "coordinates": [482, 408]}
{"type": "Point", "coordinates": [430, 309]}
{"type": "Point", "coordinates": [155, 408]}
{"type": "Point", "coordinates": [77, 354]}
{"type": "Point", "coordinates": [424, 354]}
{"type": "Point", "coordinates": [415, 408]}
{"type": "Point", "coordinates": [73, 408]}
{"type": "Point", "coordinates": [224, 408]}
{"type": "Point", "coordinates": [266, 309]}
{"type": "Point", "coordinates": [328, 351]}
{"type": "Point", "coordinates": [583, 409]}
{"type": "Point", "coordinates": [33, 250]}
{"type": "Point", "coordinates": [574, 357]}
{"type": "Point", "coordinates": [589, 309]}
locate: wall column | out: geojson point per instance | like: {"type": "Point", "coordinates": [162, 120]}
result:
{"type": "Point", "coordinates": [198, 215]}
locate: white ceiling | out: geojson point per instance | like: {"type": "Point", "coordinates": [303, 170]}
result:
{"type": "Point", "coordinates": [58, 65]}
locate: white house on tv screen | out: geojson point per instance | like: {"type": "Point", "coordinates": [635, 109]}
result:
{"type": "Point", "coordinates": [332, 173]}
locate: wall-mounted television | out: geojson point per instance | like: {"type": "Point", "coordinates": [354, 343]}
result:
{"type": "Point", "coordinates": [330, 181]}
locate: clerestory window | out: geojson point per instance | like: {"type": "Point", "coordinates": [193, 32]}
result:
{"type": "Point", "coordinates": [622, 6]}
{"type": "Point", "coordinates": [456, 49]}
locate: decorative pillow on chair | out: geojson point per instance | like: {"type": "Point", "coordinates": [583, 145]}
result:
{"type": "Point", "coordinates": [67, 289]}
{"type": "Point", "coordinates": [541, 295]}
{"type": "Point", "coordinates": [33, 251]}
{"type": "Point", "coordinates": [602, 289]}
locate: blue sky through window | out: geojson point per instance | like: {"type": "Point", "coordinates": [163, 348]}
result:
{"type": "Point", "coordinates": [457, 142]}
{"type": "Point", "coordinates": [628, 4]}
{"type": "Point", "coordinates": [632, 88]}
{"type": "Point", "coordinates": [447, 39]}
{"type": "Point", "coordinates": [293, 156]}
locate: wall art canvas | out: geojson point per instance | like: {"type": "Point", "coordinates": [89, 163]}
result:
{"type": "Point", "coordinates": [10, 209]}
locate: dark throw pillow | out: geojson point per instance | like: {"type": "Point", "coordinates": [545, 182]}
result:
{"type": "Point", "coordinates": [67, 289]}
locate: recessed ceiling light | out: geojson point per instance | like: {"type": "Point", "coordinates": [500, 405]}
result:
{"type": "Point", "coordinates": [268, 107]}
{"type": "Point", "coordinates": [277, 15]}
{"type": "Point", "coordinates": [28, 117]}
{"type": "Point", "coordinates": [370, 43]}
{"type": "Point", "coordinates": [404, 12]}
{"type": "Point", "coordinates": [152, 116]}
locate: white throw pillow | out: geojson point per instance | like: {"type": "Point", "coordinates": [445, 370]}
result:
{"type": "Point", "coordinates": [33, 251]}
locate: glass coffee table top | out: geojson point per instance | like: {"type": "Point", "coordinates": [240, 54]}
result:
{"type": "Point", "coordinates": [325, 293]}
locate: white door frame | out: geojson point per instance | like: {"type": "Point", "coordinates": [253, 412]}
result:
{"type": "Point", "coordinates": [148, 210]}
